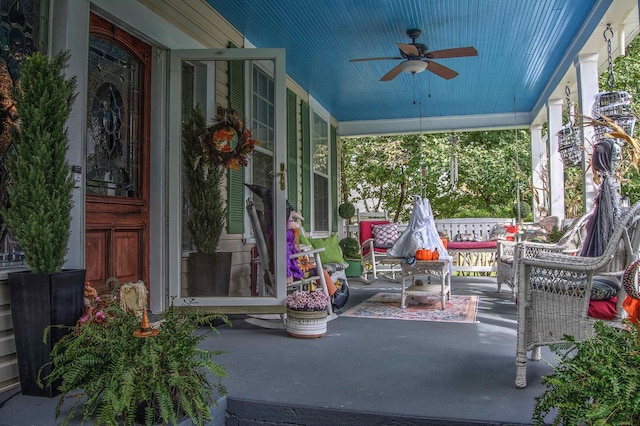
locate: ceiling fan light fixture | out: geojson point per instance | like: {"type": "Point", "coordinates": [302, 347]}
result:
{"type": "Point", "coordinates": [414, 66]}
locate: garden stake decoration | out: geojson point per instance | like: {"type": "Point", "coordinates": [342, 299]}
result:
{"type": "Point", "coordinates": [145, 327]}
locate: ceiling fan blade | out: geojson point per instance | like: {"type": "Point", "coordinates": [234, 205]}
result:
{"type": "Point", "coordinates": [393, 73]}
{"type": "Point", "coordinates": [456, 52]}
{"type": "Point", "coordinates": [373, 59]}
{"type": "Point", "coordinates": [408, 49]}
{"type": "Point", "coordinates": [444, 72]}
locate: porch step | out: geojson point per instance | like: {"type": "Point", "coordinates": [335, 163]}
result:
{"type": "Point", "coordinates": [242, 412]}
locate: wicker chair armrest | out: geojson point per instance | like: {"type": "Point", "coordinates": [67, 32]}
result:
{"type": "Point", "coordinates": [542, 246]}
{"type": "Point", "coordinates": [505, 248]}
{"type": "Point", "coordinates": [558, 260]}
{"type": "Point", "coordinates": [531, 250]}
{"type": "Point", "coordinates": [570, 251]}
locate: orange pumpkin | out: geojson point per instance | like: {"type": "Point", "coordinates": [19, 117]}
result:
{"type": "Point", "coordinates": [423, 254]}
{"type": "Point", "coordinates": [435, 255]}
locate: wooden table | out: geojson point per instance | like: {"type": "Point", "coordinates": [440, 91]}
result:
{"type": "Point", "coordinates": [436, 268]}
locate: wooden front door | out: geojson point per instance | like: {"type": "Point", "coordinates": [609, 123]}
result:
{"type": "Point", "coordinates": [117, 156]}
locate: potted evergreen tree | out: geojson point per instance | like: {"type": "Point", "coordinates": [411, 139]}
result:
{"type": "Point", "coordinates": [349, 245]}
{"type": "Point", "coordinates": [207, 152]}
{"type": "Point", "coordinates": [39, 216]}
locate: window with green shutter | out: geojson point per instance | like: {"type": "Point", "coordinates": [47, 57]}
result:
{"type": "Point", "coordinates": [320, 165]}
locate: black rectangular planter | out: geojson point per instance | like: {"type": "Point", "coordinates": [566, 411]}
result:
{"type": "Point", "coordinates": [209, 274]}
{"type": "Point", "coordinates": [38, 301]}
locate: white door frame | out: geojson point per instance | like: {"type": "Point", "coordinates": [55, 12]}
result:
{"type": "Point", "coordinates": [175, 165]}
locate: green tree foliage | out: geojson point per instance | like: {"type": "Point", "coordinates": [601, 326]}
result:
{"type": "Point", "coordinates": [40, 197]}
{"type": "Point", "coordinates": [384, 172]}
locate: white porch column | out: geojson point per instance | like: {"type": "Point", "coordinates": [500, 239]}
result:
{"type": "Point", "coordinates": [69, 31]}
{"type": "Point", "coordinates": [587, 73]}
{"type": "Point", "coordinates": [539, 173]}
{"type": "Point", "coordinates": [556, 167]}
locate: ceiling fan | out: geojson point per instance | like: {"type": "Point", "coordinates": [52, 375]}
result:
{"type": "Point", "coordinates": [418, 58]}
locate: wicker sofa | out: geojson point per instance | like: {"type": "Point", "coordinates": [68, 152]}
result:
{"type": "Point", "coordinates": [555, 291]}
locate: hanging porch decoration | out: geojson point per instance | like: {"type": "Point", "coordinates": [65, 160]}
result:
{"type": "Point", "coordinates": [614, 105]}
{"type": "Point", "coordinates": [569, 140]}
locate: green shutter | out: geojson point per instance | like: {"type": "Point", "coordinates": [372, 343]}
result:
{"type": "Point", "coordinates": [235, 194]}
{"type": "Point", "coordinates": [305, 128]}
{"type": "Point", "coordinates": [292, 149]}
{"type": "Point", "coordinates": [334, 179]}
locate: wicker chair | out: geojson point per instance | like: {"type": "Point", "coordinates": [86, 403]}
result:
{"type": "Point", "coordinates": [554, 291]}
{"type": "Point", "coordinates": [570, 243]}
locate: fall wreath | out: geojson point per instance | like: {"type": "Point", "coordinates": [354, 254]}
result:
{"type": "Point", "coordinates": [218, 142]}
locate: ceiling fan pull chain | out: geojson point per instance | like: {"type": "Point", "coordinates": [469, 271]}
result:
{"type": "Point", "coordinates": [608, 36]}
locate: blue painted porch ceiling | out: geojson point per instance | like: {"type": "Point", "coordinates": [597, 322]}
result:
{"type": "Point", "coordinates": [520, 44]}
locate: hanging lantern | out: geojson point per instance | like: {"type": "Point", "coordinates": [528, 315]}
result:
{"type": "Point", "coordinates": [570, 146]}
{"type": "Point", "coordinates": [613, 105]}
{"type": "Point", "coordinates": [617, 107]}
{"type": "Point", "coordinates": [569, 140]}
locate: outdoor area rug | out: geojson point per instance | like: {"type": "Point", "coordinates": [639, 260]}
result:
{"type": "Point", "coordinates": [462, 309]}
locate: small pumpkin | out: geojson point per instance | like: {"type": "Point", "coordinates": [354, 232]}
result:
{"type": "Point", "coordinates": [423, 254]}
{"type": "Point", "coordinates": [435, 254]}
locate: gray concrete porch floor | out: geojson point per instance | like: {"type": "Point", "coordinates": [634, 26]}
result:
{"type": "Point", "coordinates": [366, 371]}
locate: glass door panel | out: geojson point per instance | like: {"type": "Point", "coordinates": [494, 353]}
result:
{"type": "Point", "coordinates": [209, 80]}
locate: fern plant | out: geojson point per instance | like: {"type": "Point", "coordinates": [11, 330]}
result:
{"type": "Point", "coordinates": [160, 378]}
{"type": "Point", "coordinates": [596, 382]}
